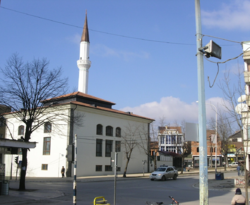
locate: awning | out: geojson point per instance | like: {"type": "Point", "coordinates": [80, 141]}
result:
{"type": "Point", "coordinates": [166, 153]}
{"type": "Point", "coordinates": [16, 143]}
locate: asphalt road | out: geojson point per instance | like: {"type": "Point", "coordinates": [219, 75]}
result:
{"type": "Point", "coordinates": [134, 191]}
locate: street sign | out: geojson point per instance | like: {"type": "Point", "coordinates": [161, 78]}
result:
{"type": "Point", "coordinates": [118, 160]}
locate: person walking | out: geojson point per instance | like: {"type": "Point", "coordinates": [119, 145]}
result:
{"type": "Point", "coordinates": [241, 170]}
{"type": "Point", "coordinates": [62, 171]}
{"type": "Point", "coordinates": [238, 199]}
{"type": "Point", "coordinates": [238, 169]}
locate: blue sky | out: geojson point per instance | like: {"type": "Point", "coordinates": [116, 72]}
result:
{"type": "Point", "coordinates": [153, 79]}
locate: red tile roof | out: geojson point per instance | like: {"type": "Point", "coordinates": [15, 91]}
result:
{"type": "Point", "coordinates": [107, 109]}
{"type": "Point", "coordinates": [77, 94]}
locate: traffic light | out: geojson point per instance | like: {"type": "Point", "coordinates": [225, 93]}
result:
{"type": "Point", "coordinates": [16, 159]}
{"type": "Point", "coordinates": [70, 153]}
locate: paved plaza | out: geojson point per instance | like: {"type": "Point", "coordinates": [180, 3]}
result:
{"type": "Point", "coordinates": [135, 189]}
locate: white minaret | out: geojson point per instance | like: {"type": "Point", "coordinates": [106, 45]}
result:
{"type": "Point", "coordinates": [84, 63]}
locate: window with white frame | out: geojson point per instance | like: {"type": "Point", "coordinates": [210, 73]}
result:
{"type": "Point", "coordinates": [46, 145]}
{"type": "Point", "coordinates": [118, 132]}
{"type": "Point", "coordinates": [168, 138]}
{"type": "Point", "coordinates": [99, 129]}
{"type": "Point", "coordinates": [171, 149]}
{"type": "Point", "coordinates": [47, 127]}
{"type": "Point", "coordinates": [109, 131]}
{"type": "Point", "coordinates": [108, 148]}
{"type": "Point", "coordinates": [179, 139]}
{"type": "Point", "coordinates": [44, 166]}
{"type": "Point", "coordinates": [98, 147]}
{"type": "Point", "coordinates": [162, 140]}
{"type": "Point", "coordinates": [173, 139]}
{"type": "Point", "coordinates": [21, 130]}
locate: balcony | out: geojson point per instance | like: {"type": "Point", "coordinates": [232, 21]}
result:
{"type": "Point", "coordinates": [246, 55]}
{"type": "Point", "coordinates": [248, 100]}
{"type": "Point", "coordinates": [247, 77]}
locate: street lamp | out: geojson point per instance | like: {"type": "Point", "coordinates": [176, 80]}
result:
{"type": "Point", "coordinates": [216, 127]}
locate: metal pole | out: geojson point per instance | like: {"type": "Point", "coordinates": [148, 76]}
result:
{"type": "Point", "coordinates": [202, 112]}
{"type": "Point", "coordinates": [216, 142]}
{"type": "Point", "coordinates": [143, 169]}
{"type": "Point", "coordinates": [75, 165]}
{"type": "Point", "coordinates": [11, 166]}
{"type": "Point", "coordinates": [115, 165]}
{"type": "Point", "coordinates": [16, 170]}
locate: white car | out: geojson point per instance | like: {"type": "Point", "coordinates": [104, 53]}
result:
{"type": "Point", "coordinates": [163, 173]}
{"type": "Point", "coordinates": [233, 164]}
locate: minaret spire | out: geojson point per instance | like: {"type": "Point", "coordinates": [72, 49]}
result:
{"type": "Point", "coordinates": [84, 63]}
{"type": "Point", "coordinates": [85, 32]}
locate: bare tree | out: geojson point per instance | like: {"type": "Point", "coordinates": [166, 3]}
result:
{"type": "Point", "coordinates": [130, 142]}
{"type": "Point", "coordinates": [154, 145]}
{"type": "Point", "coordinates": [185, 148]}
{"type": "Point", "coordinates": [232, 91]}
{"type": "Point", "coordinates": [24, 87]}
{"type": "Point", "coordinates": [224, 131]}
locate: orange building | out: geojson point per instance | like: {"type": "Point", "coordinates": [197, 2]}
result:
{"type": "Point", "coordinates": [211, 150]}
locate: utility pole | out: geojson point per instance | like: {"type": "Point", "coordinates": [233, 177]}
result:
{"type": "Point", "coordinates": [115, 167]}
{"type": "Point", "coordinates": [202, 111]}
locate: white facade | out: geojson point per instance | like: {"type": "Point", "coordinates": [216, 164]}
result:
{"type": "Point", "coordinates": [86, 144]}
{"type": "Point", "coordinates": [246, 114]}
{"type": "Point", "coordinates": [47, 159]}
{"type": "Point", "coordinates": [170, 140]}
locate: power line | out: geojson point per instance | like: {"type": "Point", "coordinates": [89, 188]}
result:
{"type": "Point", "coordinates": [221, 38]}
{"type": "Point", "coordinates": [119, 35]}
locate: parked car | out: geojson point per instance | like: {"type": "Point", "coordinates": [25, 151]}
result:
{"type": "Point", "coordinates": [233, 164]}
{"type": "Point", "coordinates": [163, 173]}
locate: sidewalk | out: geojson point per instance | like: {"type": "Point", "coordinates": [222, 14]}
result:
{"type": "Point", "coordinates": [23, 196]}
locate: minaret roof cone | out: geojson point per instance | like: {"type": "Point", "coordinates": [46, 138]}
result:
{"type": "Point", "coordinates": [85, 33]}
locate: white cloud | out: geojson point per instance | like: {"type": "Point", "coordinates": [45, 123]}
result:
{"type": "Point", "coordinates": [75, 39]}
{"type": "Point", "coordinates": [231, 16]}
{"type": "Point", "coordinates": [105, 51]}
{"type": "Point", "coordinates": [174, 110]}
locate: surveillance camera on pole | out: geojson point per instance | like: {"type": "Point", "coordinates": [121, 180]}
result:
{"type": "Point", "coordinates": [211, 50]}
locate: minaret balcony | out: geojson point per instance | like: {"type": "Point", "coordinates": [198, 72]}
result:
{"type": "Point", "coordinates": [84, 62]}
{"type": "Point", "coordinates": [247, 77]}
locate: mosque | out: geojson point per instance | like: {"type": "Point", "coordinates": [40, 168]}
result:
{"type": "Point", "coordinates": [101, 131]}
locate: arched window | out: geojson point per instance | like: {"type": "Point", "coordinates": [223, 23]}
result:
{"type": "Point", "coordinates": [211, 149]}
{"type": "Point", "coordinates": [21, 130]}
{"type": "Point", "coordinates": [214, 149]}
{"type": "Point", "coordinates": [47, 127]}
{"type": "Point", "coordinates": [99, 129]}
{"type": "Point", "coordinates": [109, 131]}
{"type": "Point", "coordinates": [118, 132]}
{"type": "Point", "coordinates": [197, 149]}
